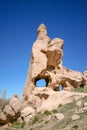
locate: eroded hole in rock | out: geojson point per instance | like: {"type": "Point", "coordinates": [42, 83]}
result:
{"type": "Point", "coordinates": [41, 82]}
{"type": "Point", "coordinates": [60, 88]}
{"type": "Point", "coordinates": [50, 67]}
{"type": "Point", "coordinates": [82, 85]}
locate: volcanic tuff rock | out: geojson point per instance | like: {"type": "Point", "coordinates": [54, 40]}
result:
{"type": "Point", "coordinates": [46, 63]}
{"type": "Point", "coordinates": [11, 111]}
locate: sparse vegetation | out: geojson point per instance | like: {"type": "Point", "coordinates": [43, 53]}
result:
{"type": "Point", "coordinates": [81, 89]}
{"type": "Point", "coordinates": [18, 125]}
{"type": "Point", "coordinates": [35, 119]}
{"type": "Point", "coordinates": [60, 105]}
{"type": "Point", "coordinates": [67, 109]}
{"type": "Point", "coordinates": [31, 129]}
{"type": "Point", "coordinates": [75, 127]}
{"type": "Point", "coordinates": [54, 111]}
{"type": "Point", "coordinates": [63, 123]}
{"type": "Point", "coordinates": [48, 120]}
{"type": "Point", "coordinates": [47, 112]}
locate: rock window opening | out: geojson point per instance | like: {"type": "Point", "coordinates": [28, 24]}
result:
{"type": "Point", "coordinates": [41, 82]}
{"type": "Point", "coordinates": [60, 88]}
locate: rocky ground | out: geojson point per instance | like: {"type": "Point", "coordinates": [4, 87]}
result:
{"type": "Point", "coordinates": [71, 116]}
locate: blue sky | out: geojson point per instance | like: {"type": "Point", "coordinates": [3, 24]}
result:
{"type": "Point", "coordinates": [19, 20]}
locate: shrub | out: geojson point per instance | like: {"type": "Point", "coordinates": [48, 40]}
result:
{"type": "Point", "coordinates": [47, 112]}
{"type": "Point", "coordinates": [35, 119]}
{"type": "Point", "coordinates": [54, 111]}
{"type": "Point", "coordinates": [75, 127]}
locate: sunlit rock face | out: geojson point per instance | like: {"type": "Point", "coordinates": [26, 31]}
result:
{"type": "Point", "coordinates": [46, 63]}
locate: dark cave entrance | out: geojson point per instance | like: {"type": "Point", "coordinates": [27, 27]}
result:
{"type": "Point", "coordinates": [41, 82]}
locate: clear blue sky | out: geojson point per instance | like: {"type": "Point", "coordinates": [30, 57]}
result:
{"type": "Point", "coordinates": [19, 20]}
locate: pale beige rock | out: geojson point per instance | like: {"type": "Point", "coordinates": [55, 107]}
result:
{"type": "Point", "coordinates": [27, 111]}
{"type": "Point", "coordinates": [9, 111]}
{"type": "Point", "coordinates": [85, 73]}
{"type": "Point", "coordinates": [46, 63]}
{"type": "Point", "coordinates": [56, 98]}
{"type": "Point", "coordinates": [84, 108]}
{"type": "Point", "coordinates": [79, 103]}
{"type": "Point", "coordinates": [59, 116]}
{"type": "Point", "coordinates": [12, 110]}
{"type": "Point", "coordinates": [3, 118]}
{"type": "Point", "coordinates": [55, 53]}
{"type": "Point", "coordinates": [34, 101]}
{"type": "Point", "coordinates": [27, 118]}
{"type": "Point", "coordinates": [80, 110]}
{"type": "Point", "coordinates": [85, 104]}
{"type": "Point", "coordinates": [15, 103]}
{"type": "Point", "coordinates": [75, 117]}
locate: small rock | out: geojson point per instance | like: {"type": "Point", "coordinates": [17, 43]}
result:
{"type": "Point", "coordinates": [26, 119]}
{"type": "Point", "coordinates": [85, 104]}
{"type": "Point", "coordinates": [3, 118]}
{"type": "Point", "coordinates": [79, 103]}
{"type": "Point", "coordinates": [80, 110]}
{"type": "Point", "coordinates": [27, 111]}
{"type": "Point", "coordinates": [84, 108]}
{"type": "Point", "coordinates": [59, 116]}
{"type": "Point", "coordinates": [15, 103]}
{"type": "Point", "coordinates": [9, 111]}
{"type": "Point", "coordinates": [75, 117]}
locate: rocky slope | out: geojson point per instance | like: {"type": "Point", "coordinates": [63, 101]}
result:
{"type": "Point", "coordinates": [70, 116]}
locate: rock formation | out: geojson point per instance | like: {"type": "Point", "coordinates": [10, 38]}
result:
{"type": "Point", "coordinates": [46, 63]}
{"type": "Point", "coordinates": [11, 111]}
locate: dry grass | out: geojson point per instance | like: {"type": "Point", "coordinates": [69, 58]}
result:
{"type": "Point", "coordinates": [3, 100]}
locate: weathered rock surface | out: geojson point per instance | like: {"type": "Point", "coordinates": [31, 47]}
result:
{"type": "Point", "coordinates": [15, 103]}
{"type": "Point", "coordinates": [59, 116]}
{"type": "Point", "coordinates": [11, 111]}
{"type": "Point", "coordinates": [75, 117]}
{"type": "Point", "coordinates": [3, 118]}
{"type": "Point", "coordinates": [27, 113]}
{"type": "Point", "coordinates": [46, 63]}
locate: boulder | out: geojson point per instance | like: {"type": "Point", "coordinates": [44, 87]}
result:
{"type": "Point", "coordinates": [59, 116]}
{"type": "Point", "coordinates": [16, 104]}
{"type": "Point", "coordinates": [85, 104]}
{"type": "Point", "coordinates": [3, 118]}
{"type": "Point", "coordinates": [9, 111]}
{"type": "Point", "coordinates": [75, 117]}
{"type": "Point", "coordinates": [27, 113]}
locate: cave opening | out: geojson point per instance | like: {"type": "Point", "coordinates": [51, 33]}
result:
{"type": "Point", "coordinates": [41, 82]}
